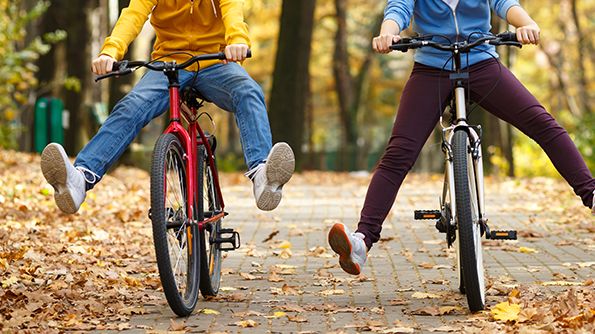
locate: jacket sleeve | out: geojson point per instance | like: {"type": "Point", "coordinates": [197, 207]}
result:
{"type": "Point", "coordinates": [399, 11]}
{"type": "Point", "coordinates": [127, 27]}
{"type": "Point", "coordinates": [236, 30]}
{"type": "Point", "coordinates": [501, 7]}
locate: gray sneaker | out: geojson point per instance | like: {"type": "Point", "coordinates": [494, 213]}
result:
{"type": "Point", "coordinates": [269, 177]}
{"type": "Point", "coordinates": [68, 182]}
{"type": "Point", "coordinates": [350, 246]}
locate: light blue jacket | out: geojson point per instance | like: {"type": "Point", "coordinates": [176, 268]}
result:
{"type": "Point", "coordinates": [456, 19]}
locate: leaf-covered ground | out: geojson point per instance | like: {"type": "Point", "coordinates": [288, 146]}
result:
{"type": "Point", "coordinates": [96, 270]}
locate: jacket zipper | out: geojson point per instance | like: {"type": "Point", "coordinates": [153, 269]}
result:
{"type": "Point", "coordinates": [454, 14]}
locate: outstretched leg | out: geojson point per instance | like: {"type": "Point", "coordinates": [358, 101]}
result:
{"type": "Point", "coordinates": [269, 167]}
{"type": "Point", "coordinates": [512, 102]}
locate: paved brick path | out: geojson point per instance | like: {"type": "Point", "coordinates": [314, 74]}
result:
{"type": "Point", "coordinates": [317, 297]}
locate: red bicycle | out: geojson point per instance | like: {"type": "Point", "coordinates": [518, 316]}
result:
{"type": "Point", "coordinates": [187, 205]}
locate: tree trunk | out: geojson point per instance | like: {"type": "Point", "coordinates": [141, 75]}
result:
{"type": "Point", "coordinates": [78, 57]}
{"type": "Point", "coordinates": [583, 46]}
{"type": "Point", "coordinates": [349, 90]}
{"type": "Point", "coordinates": [343, 78]}
{"type": "Point", "coordinates": [289, 92]}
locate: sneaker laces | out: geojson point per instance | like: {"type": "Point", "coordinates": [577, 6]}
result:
{"type": "Point", "coordinates": [86, 172]}
{"type": "Point", "coordinates": [252, 172]}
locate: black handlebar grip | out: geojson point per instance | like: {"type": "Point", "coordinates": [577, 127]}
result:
{"type": "Point", "coordinates": [507, 36]}
{"type": "Point", "coordinates": [116, 66]}
{"type": "Point", "coordinates": [249, 54]}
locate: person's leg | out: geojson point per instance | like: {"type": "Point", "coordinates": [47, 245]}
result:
{"type": "Point", "coordinates": [231, 88]}
{"type": "Point", "coordinates": [420, 108]}
{"type": "Point", "coordinates": [269, 167]}
{"type": "Point", "coordinates": [513, 103]}
{"type": "Point", "coordinates": [147, 100]}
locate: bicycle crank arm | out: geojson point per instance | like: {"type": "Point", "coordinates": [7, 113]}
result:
{"type": "Point", "coordinates": [234, 239]}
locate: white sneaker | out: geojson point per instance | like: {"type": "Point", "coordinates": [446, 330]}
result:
{"type": "Point", "coordinates": [351, 248]}
{"type": "Point", "coordinates": [68, 182]}
{"type": "Point", "coordinates": [269, 177]}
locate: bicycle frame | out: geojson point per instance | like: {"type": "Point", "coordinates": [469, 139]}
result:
{"type": "Point", "coordinates": [188, 137]}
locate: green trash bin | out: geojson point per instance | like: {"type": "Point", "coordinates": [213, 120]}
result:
{"type": "Point", "coordinates": [56, 109]}
{"type": "Point", "coordinates": [48, 122]}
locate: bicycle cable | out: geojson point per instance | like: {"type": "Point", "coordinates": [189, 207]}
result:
{"type": "Point", "coordinates": [477, 104]}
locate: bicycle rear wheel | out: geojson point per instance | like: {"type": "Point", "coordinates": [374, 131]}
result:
{"type": "Point", "coordinates": [174, 235]}
{"type": "Point", "coordinates": [467, 218]}
{"type": "Point", "coordinates": [208, 206]}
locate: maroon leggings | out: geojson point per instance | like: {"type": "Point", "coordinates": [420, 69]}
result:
{"type": "Point", "coordinates": [418, 114]}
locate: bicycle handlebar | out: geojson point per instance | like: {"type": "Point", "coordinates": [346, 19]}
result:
{"type": "Point", "coordinates": [405, 44]}
{"type": "Point", "coordinates": [125, 66]}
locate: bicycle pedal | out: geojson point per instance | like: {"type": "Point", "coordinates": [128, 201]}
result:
{"type": "Point", "coordinates": [234, 239]}
{"type": "Point", "coordinates": [502, 235]}
{"type": "Point", "coordinates": [427, 214]}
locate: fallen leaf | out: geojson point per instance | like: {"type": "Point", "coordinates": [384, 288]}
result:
{"type": "Point", "coordinates": [561, 283]}
{"type": "Point", "coordinates": [506, 311]}
{"type": "Point", "coordinates": [176, 326]}
{"type": "Point", "coordinates": [271, 236]}
{"type": "Point", "coordinates": [274, 277]}
{"type": "Point", "coordinates": [209, 311]}
{"type": "Point", "coordinates": [397, 330]}
{"type": "Point", "coordinates": [250, 277]}
{"type": "Point", "coordinates": [297, 318]}
{"type": "Point", "coordinates": [445, 328]}
{"type": "Point", "coordinates": [279, 314]}
{"type": "Point", "coordinates": [527, 250]}
{"type": "Point", "coordinates": [246, 323]}
{"type": "Point", "coordinates": [284, 244]}
{"type": "Point", "coordinates": [331, 292]}
{"type": "Point", "coordinates": [9, 281]}
{"type": "Point", "coordinates": [424, 295]}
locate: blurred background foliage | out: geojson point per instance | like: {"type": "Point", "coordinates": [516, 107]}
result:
{"type": "Point", "coordinates": [337, 115]}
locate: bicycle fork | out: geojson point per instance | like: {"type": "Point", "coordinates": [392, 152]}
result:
{"type": "Point", "coordinates": [446, 215]}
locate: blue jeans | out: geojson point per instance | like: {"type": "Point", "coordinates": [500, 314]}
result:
{"type": "Point", "coordinates": [229, 86]}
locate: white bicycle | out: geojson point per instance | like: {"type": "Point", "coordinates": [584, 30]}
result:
{"type": "Point", "coordinates": [462, 209]}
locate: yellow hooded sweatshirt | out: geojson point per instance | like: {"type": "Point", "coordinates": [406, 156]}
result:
{"type": "Point", "coordinates": [192, 26]}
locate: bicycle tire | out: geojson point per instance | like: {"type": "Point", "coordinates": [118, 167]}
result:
{"type": "Point", "coordinates": [210, 251]}
{"type": "Point", "coordinates": [174, 237]}
{"type": "Point", "coordinates": [468, 233]}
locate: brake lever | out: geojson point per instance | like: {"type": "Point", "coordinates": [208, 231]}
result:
{"type": "Point", "coordinates": [113, 74]}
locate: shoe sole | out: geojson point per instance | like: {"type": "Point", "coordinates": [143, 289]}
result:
{"type": "Point", "coordinates": [280, 166]}
{"type": "Point", "coordinates": [54, 170]}
{"type": "Point", "coordinates": [340, 244]}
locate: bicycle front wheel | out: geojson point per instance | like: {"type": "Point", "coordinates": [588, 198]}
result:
{"type": "Point", "coordinates": [174, 234]}
{"type": "Point", "coordinates": [467, 219]}
{"type": "Point", "coordinates": [208, 206]}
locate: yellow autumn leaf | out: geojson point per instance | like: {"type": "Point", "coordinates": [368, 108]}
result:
{"type": "Point", "coordinates": [284, 244]}
{"type": "Point", "coordinates": [527, 250]}
{"type": "Point", "coordinates": [279, 314]}
{"type": "Point", "coordinates": [9, 281]}
{"type": "Point", "coordinates": [506, 311]}
{"type": "Point", "coordinates": [246, 323]}
{"type": "Point", "coordinates": [561, 283]}
{"type": "Point", "coordinates": [209, 311]}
